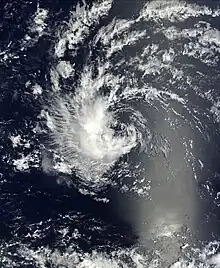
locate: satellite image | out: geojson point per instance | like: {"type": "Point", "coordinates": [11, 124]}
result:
{"type": "Point", "coordinates": [109, 134]}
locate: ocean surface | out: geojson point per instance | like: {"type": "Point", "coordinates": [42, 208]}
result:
{"type": "Point", "coordinates": [109, 134]}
